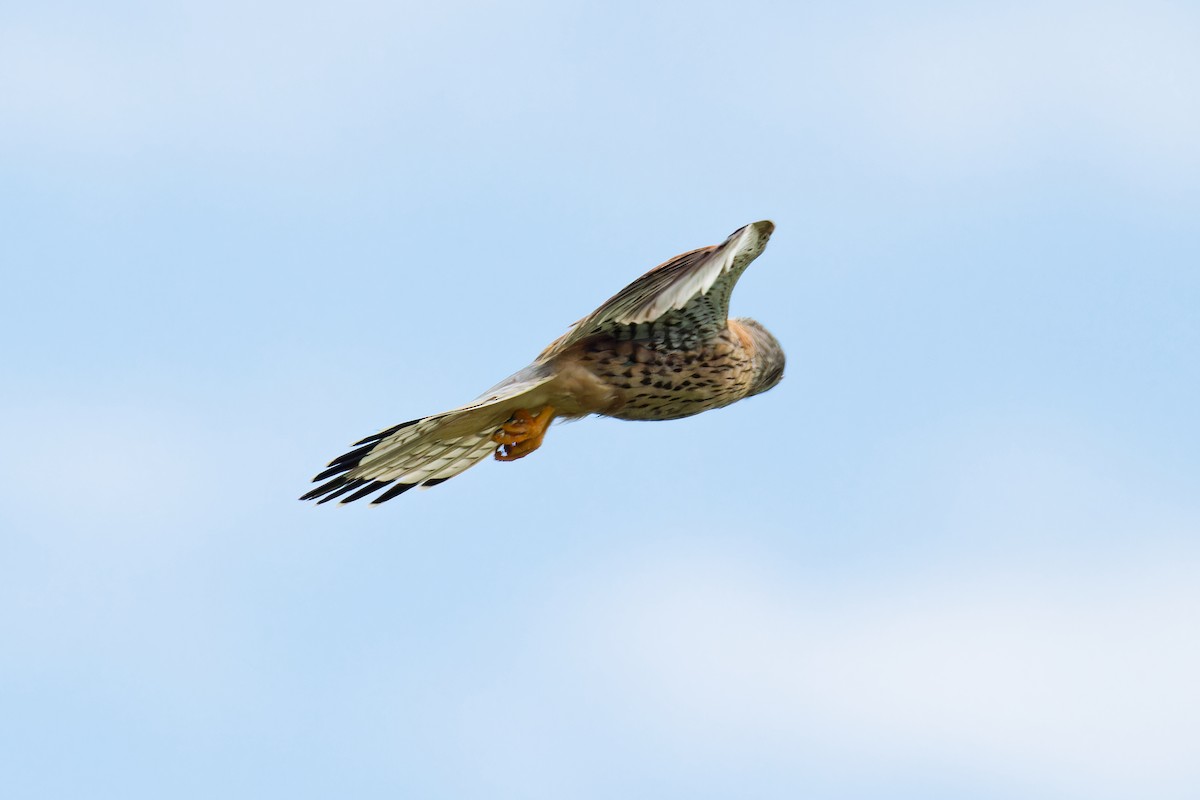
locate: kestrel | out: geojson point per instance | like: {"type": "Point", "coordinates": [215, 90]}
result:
{"type": "Point", "coordinates": [662, 348]}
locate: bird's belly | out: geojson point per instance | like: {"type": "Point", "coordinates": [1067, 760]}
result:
{"type": "Point", "coordinates": [666, 402]}
{"type": "Point", "coordinates": [652, 382]}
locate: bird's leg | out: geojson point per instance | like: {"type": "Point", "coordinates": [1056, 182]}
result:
{"type": "Point", "coordinates": [522, 434]}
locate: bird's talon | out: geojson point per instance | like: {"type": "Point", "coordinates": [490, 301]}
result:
{"type": "Point", "coordinates": [522, 434]}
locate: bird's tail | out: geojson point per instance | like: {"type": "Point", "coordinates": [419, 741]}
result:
{"type": "Point", "coordinates": [426, 451]}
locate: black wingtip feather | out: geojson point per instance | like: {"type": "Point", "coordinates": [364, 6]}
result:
{"type": "Point", "coordinates": [395, 491]}
{"type": "Point", "coordinates": [434, 482]}
{"type": "Point", "coordinates": [323, 488]}
{"type": "Point", "coordinates": [346, 462]}
{"type": "Point", "coordinates": [354, 456]}
{"type": "Point", "coordinates": [329, 473]}
{"type": "Point", "coordinates": [366, 490]}
{"type": "Point", "coordinates": [375, 437]}
{"type": "Point", "coordinates": [349, 487]}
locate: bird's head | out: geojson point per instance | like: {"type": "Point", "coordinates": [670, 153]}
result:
{"type": "Point", "coordinates": [767, 354]}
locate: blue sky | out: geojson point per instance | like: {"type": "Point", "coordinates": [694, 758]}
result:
{"type": "Point", "coordinates": [956, 553]}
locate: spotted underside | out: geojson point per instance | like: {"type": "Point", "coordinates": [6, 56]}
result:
{"type": "Point", "coordinates": [657, 380]}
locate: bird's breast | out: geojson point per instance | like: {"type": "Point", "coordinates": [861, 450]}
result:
{"type": "Point", "coordinates": [651, 380]}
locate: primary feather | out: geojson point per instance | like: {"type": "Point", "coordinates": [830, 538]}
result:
{"type": "Point", "coordinates": [426, 451]}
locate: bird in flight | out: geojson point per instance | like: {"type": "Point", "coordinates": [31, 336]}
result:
{"type": "Point", "coordinates": [662, 348]}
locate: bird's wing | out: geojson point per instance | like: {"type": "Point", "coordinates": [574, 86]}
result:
{"type": "Point", "coordinates": [427, 451]}
{"type": "Point", "coordinates": [684, 298]}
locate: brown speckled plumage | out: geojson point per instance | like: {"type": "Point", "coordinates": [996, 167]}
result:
{"type": "Point", "coordinates": [653, 380]}
{"type": "Point", "coordinates": [662, 348]}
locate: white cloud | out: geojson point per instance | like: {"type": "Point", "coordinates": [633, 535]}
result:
{"type": "Point", "coordinates": [1096, 82]}
{"type": "Point", "coordinates": [1079, 683]}
{"type": "Point", "coordinates": [950, 90]}
{"type": "Point", "coordinates": [264, 80]}
{"type": "Point", "coordinates": [58, 87]}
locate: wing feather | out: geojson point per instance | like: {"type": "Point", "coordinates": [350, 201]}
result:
{"type": "Point", "coordinates": [427, 451]}
{"type": "Point", "coordinates": [692, 289]}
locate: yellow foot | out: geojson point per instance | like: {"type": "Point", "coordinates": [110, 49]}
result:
{"type": "Point", "coordinates": [522, 434]}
